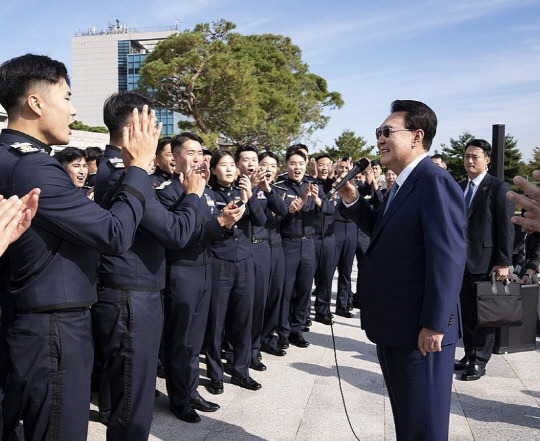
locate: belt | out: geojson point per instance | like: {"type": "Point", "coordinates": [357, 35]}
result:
{"type": "Point", "coordinates": [297, 237]}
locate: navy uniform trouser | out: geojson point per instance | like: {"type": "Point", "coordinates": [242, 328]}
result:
{"type": "Point", "coordinates": [51, 358]}
{"type": "Point", "coordinates": [128, 325]}
{"type": "Point", "coordinates": [275, 293]}
{"type": "Point", "coordinates": [420, 389]}
{"type": "Point", "coordinates": [187, 302]}
{"type": "Point", "coordinates": [345, 233]}
{"type": "Point", "coordinates": [299, 272]}
{"type": "Point", "coordinates": [362, 242]}
{"type": "Point", "coordinates": [262, 258]}
{"type": "Point", "coordinates": [231, 310]}
{"type": "Point", "coordinates": [478, 342]}
{"type": "Point", "coordinates": [324, 254]}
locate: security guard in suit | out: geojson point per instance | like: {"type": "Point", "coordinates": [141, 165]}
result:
{"type": "Point", "coordinates": [188, 287]}
{"type": "Point", "coordinates": [53, 265]}
{"type": "Point", "coordinates": [128, 315]}
{"type": "Point", "coordinates": [231, 306]}
{"type": "Point", "coordinates": [305, 200]}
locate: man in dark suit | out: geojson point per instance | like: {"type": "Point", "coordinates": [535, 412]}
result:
{"type": "Point", "coordinates": [412, 273]}
{"type": "Point", "coordinates": [490, 241]}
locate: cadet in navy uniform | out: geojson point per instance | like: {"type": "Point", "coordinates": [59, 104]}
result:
{"type": "Point", "coordinates": [128, 316]}
{"type": "Point", "coordinates": [53, 265]}
{"type": "Point", "coordinates": [345, 231]}
{"type": "Point", "coordinates": [248, 165]}
{"type": "Point", "coordinates": [325, 246]}
{"type": "Point", "coordinates": [164, 162]}
{"type": "Point", "coordinates": [305, 200]}
{"type": "Point", "coordinates": [231, 306]}
{"type": "Point", "coordinates": [269, 162]}
{"type": "Point", "coordinates": [188, 289]}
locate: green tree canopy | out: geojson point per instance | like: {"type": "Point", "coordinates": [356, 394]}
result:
{"type": "Point", "coordinates": [350, 145]}
{"type": "Point", "coordinates": [77, 125]}
{"type": "Point", "coordinates": [455, 153]}
{"type": "Point", "coordinates": [249, 88]}
{"type": "Point", "coordinates": [533, 164]}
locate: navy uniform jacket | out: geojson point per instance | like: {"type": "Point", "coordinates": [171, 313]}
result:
{"type": "Point", "coordinates": [159, 177]}
{"type": "Point", "coordinates": [142, 267]}
{"type": "Point", "coordinates": [237, 246]}
{"type": "Point", "coordinates": [53, 265]}
{"type": "Point", "coordinates": [273, 219]}
{"type": "Point", "coordinates": [490, 233]}
{"type": "Point", "coordinates": [325, 224]}
{"type": "Point", "coordinates": [109, 164]}
{"type": "Point", "coordinates": [413, 268]}
{"type": "Point", "coordinates": [271, 204]}
{"type": "Point", "coordinates": [197, 251]}
{"type": "Point", "coordinates": [302, 223]}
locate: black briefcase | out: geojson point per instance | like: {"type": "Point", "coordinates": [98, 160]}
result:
{"type": "Point", "coordinates": [520, 338]}
{"type": "Point", "coordinates": [498, 303]}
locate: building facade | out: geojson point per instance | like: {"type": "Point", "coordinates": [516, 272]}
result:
{"type": "Point", "coordinates": [108, 61]}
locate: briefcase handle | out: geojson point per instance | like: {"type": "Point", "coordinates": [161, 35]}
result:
{"type": "Point", "coordinates": [494, 284]}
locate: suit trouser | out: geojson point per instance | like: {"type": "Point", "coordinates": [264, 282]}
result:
{"type": "Point", "coordinates": [231, 310]}
{"type": "Point", "coordinates": [299, 272]}
{"type": "Point", "coordinates": [362, 242]}
{"type": "Point", "coordinates": [324, 255]}
{"type": "Point", "coordinates": [275, 293]}
{"type": "Point", "coordinates": [187, 302]}
{"type": "Point", "coordinates": [420, 390]}
{"type": "Point", "coordinates": [128, 325]}
{"type": "Point", "coordinates": [262, 258]}
{"type": "Point", "coordinates": [50, 366]}
{"type": "Point", "coordinates": [345, 233]}
{"type": "Point", "coordinates": [478, 342]}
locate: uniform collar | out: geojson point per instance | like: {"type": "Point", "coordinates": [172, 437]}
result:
{"type": "Point", "coordinates": [31, 139]}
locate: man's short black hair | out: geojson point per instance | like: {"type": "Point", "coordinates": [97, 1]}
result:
{"type": "Point", "coordinates": [322, 156]}
{"type": "Point", "coordinates": [19, 75]}
{"type": "Point", "coordinates": [162, 142]}
{"type": "Point", "coordinates": [439, 156]}
{"type": "Point", "coordinates": [299, 146]}
{"type": "Point", "coordinates": [118, 109]}
{"type": "Point", "coordinates": [375, 162]}
{"type": "Point", "coordinates": [269, 155]}
{"type": "Point", "coordinates": [69, 154]}
{"type": "Point", "coordinates": [418, 116]}
{"type": "Point", "coordinates": [482, 143]}
{"type": "Point", "coordinates": [244, 148]}
{"type": "Point", "coordinates": [93, 154]}
{"type": "Point", "coordinates": [293, 152]}
{"type": "Point", "coordinates": [206, 152]}
{"type": "Point", "coordinates": [178, 141]}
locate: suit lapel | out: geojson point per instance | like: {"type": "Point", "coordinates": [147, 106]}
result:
{"type": "Point", "coordinates": [480, 194]}
{"type": "Point", "coordinates": [402, 194]}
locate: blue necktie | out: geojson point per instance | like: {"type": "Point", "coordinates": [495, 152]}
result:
{"type": "Point", "coordinates": [469, 196]}
{"type": "Point", "coordinates": [393, 191]}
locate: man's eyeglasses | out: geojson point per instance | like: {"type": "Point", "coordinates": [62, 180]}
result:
{"type": "Point", "coordinates": [387, 130]}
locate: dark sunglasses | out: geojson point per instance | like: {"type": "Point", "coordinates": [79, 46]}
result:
{"type": "Point", "coordinates": [387, 130]}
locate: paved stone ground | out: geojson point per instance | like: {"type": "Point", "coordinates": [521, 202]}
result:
{"type": "Point", "coordinates": [300, 398]}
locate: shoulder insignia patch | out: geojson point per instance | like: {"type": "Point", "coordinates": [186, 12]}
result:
{"type": "Point", "coordinates": [26, 148]}
{"type": "Point", "coordinates": [164, 185]}
{"type": "Point", "coordinates": [117, 162]}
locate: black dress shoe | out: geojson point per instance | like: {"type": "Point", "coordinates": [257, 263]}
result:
{"type": "Point", "coordinates": [257, 365]}
{"type": "Point", "coordinates": [246, 383]}
{"type": "Point", "coordinates": [324, 319]}
{"type": "Point", "coordinates": [463, 363]}
{"type": "Point", "coordinates": [473, 372]}
{"type": "Point", "coordinates": [273, 350]}
{"type": "Point", "coordinates": [344, 313]}
{"type": "Point", "coordinates": [215, 387]}
{"type": "Point", "coordinates": [298, 340]}
{"type": "Point", "coordinates": [283, 342]}
{"type": "Point", "coordinates": [199, 403]}
{"type": "Point", "coordinates": [186, 413]}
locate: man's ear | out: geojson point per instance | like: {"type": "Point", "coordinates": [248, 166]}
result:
{"type": "Point", "coordinates": [34, 102]}
{"type": "Point", "coordinates": [418, 138]}
{"type": "Point", "coordinates": [488, 158]}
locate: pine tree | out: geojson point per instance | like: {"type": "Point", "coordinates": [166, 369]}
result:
{"type": "Point", "coordinates": [350, 145]}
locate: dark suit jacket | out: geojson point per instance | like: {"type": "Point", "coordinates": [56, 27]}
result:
{"type": "Point", "coordinates": [490, 233]}
{"type": "Point", "coordinates": [413, 267]}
